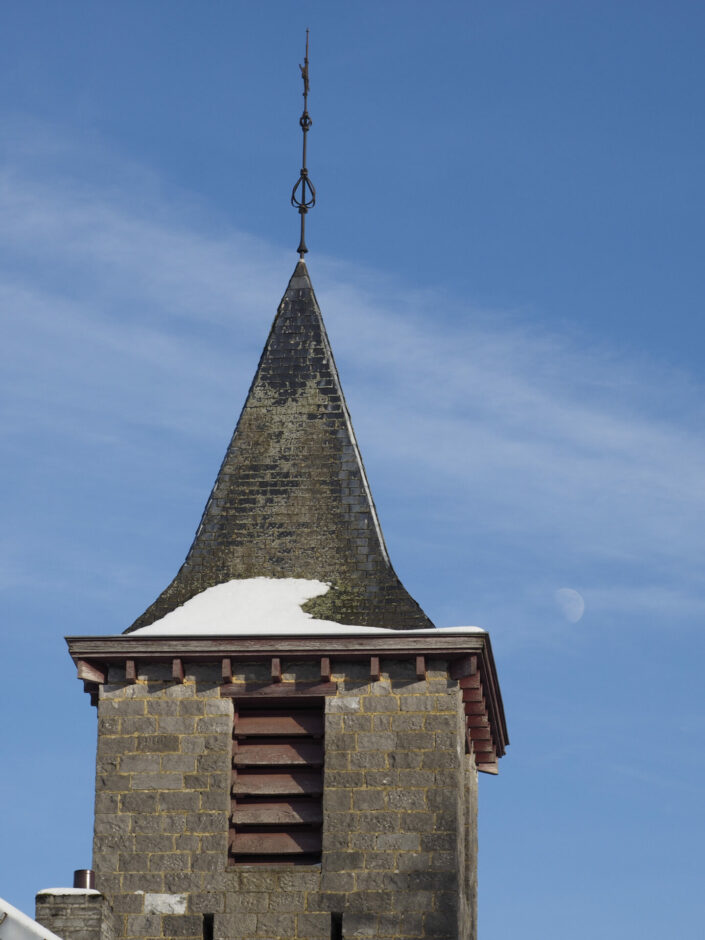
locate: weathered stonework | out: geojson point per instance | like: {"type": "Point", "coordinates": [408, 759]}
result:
{"type": "Point", "coordinates": [403, 721]}
{"type": "Point", "coordinates": [85, 915]}
{"type": "Point", "coordinates": [399, 825]}
{"type": "Point", "coordinates": [292, 499]}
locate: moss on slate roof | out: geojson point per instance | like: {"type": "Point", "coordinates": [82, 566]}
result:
{"type": "Point", "coordinates": [291, 498]}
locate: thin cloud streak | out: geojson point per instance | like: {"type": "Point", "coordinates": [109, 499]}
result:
{"type": "Point", "coordinates": [125, 319]}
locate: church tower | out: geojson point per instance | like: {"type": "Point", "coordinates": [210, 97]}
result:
{"type": "Point", "coordinates": [287, 748]}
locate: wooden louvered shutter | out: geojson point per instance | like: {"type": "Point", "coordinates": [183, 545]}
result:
{"type": "Point", "coordinates": [277, 783]}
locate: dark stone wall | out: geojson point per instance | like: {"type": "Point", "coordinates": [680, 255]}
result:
{"type": "Point", "coordinates": [399, 831]}
{"type": "Point", "coordinates": [291, 498]}
{"type": "Point", "coordinates": [85, 916]}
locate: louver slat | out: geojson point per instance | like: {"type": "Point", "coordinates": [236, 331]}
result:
{"type": "Point", "coordinates": [287, 842]}
{"type": "Point", "coordinates": [278, 812]}
{"type": "Point", "coordinates": [280, 722]}
{"type": "Point", "coordinates": [277, 784]}
{"type": "Point", "coordinates": [294, 753]}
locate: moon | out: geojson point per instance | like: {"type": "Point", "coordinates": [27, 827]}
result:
{"type": "Point", "coordinates": [570, 603]}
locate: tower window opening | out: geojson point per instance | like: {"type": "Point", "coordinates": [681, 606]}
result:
{"type": "Point", "coordinates": [277, 789]}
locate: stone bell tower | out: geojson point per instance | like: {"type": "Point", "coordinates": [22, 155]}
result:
{"type": "Point", "coordinates": [287, 748]}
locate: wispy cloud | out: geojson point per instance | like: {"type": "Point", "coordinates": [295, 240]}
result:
{"type": "Point", "coordinates": [129, 317]}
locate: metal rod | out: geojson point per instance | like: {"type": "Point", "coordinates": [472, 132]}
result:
{"type": "Point", "coordinates": [303, 195]}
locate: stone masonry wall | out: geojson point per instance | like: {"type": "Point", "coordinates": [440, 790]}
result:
{"type": "Point", "coordinates": [73, 915]}
{"type": "Point", "coordinates": [399, 812]}
{"type": "Point", "coordinates": [394, 858]}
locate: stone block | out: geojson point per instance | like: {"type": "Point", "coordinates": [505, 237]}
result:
{"type": "Point", "coordinates": [406, 799]}
{"type": "Point", "coordinates": [442, 924]}
{"type": "Point", "coordinates": [276, 925]}
{"type": "Point", "coordinates": [173, 822]}
{"type": "Point", "coordinates": [109, 725]}
{"type": "Point", "coordinates": [337, 881]}
{"type": "Point", "coordinates": [338, 741]}
{"type": "Point", "coordinates": [182, 800]}
{"type": "Point", "coordinates": [416, 861]}
{"type": "Point", "coordinates": [368, 760]}
{"type": "Point", "coordinates": [108, 708]}
{"type": "Point", "coordinates": [380, 703]}
{"type": "Point", "coordinates": [170, 861]}
{"type": "Point", "coordinates": [344, 861]}
{"type": "Point", "coordinates": [361, 840]}
{"type": "Point", "coordinates": [398, 842]}
{"type": "Point", "coordinates": [359, 926]}
{"type": "Point", "coordinates": [106, 823]}
{"type": "Point", "coordinates": [139, 763]}
{"type": "Point", "coordinates": [158, 743]}
{"type": "Point", "coordinates": [381, 741]}
{"type": "Point", "coordinates": [158, 781]}
{"type": "Point", "coordinates": [417, 822]}
{"type": "Point", "coordinates": [370, 799]}
{"type": "Point", "coordinates": [342, 778]}
{"type": "Point", "coordinates": [443, 722]}
{"type": "Point", "coordinates": [343, 703]}
{"type": "Point", "coordinates": [288, 902]}
{"type": "Point", "coordinates": [250, 902]}
{"type": "Point", "coordinates": [436, 760]}
{"type": "Point", "coordinates": [209, 861]}
{"type": "Point", "coordinates": [144, 925]}
{"type": "Point", "coordinates": [215, 800]}
{"type": "Point", "coordinates": [313, 926]}
{"type": "Point", "coordinates": [153, 842]}
{"type": "Point", "coordinates": [300, 880]}
{"type": "Point", "coordinates": [185, 842]}
{"type": "Point", "coordinates": [191, 708]}
{"type": "Point", "coordinates": [107, 802]}
{"type": "Point", "coordinates": [182, 882]}
{"type": "Point", "coordinates": [215, 724]}
{"type": "Point", "coordinates": [131, 861]}
{"type": "Point", "coordinates": [119, 744]}
{"type": "Point", "coordinates": [170, 724]}
{"type": "Point", "coordinates": [141, 724]}
{"type": "Point", "coordinates": [183, 925]}
{"type": "Point", "coordinates": [207, 902]}
{"type": "Point", "coordinates": [141, 882]}
{"type": "Point", "coordinates": [216, 706]}
{"type": "Point", "coordinates": [380, 861]}
{"type": "Point", "coordinates": [234, 926]}
{"type": "Point", "coordinates": [417, 703]}
{"type": "Point", "coordinates": [205, 822]}
{"type": "Point", "coordinates": [406, 760]}
{"type": "Point", "coordinates": [131, 903]}
{"type": "Point", "coordinates": [379, 822]}
{"type": "Point", "coordinates": [337, 801]}
{"type": "Point", "coordinates": [185, 763]}
{"type": "Point", "coordinates": [415, 740]}
{"type": "Point", "coordinates": [143, 824]}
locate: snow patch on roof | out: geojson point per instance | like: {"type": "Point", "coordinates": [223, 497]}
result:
{"type": "Point", "coordinates": [257, 607]}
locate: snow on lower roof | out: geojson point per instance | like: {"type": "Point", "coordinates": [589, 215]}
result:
{"type": "Point", "coordinates": [64, 891]}
{"type": "Point", "coordinates": [18, 926]}
{"type": "Point", "coordinates": [257, 606]}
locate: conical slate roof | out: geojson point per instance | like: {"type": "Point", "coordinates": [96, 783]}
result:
{"type": "Point", "coordinates": [291, 499]}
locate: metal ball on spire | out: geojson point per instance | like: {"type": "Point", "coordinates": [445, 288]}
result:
{"type": "Point", "coordinates": [303, 195]}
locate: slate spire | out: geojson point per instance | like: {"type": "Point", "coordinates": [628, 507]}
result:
{"type": "Point", "coordinates": [292, 499]}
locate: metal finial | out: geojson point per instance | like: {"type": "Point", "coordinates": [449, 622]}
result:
{"type": "Point", "coordinates": [303, 195]}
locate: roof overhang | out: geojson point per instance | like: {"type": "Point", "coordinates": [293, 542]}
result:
{"type": "Point", "coordinates": [470, 656]}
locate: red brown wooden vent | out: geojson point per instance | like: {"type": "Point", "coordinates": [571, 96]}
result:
{"type": "Point", "coordinates": [277, 783]}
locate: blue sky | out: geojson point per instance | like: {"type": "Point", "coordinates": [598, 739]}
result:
{"type": "Point", "coordinates": [508, 253]}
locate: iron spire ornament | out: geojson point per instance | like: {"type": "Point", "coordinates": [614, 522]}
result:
{"type": "Point", "coordinates": [303, 195]}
